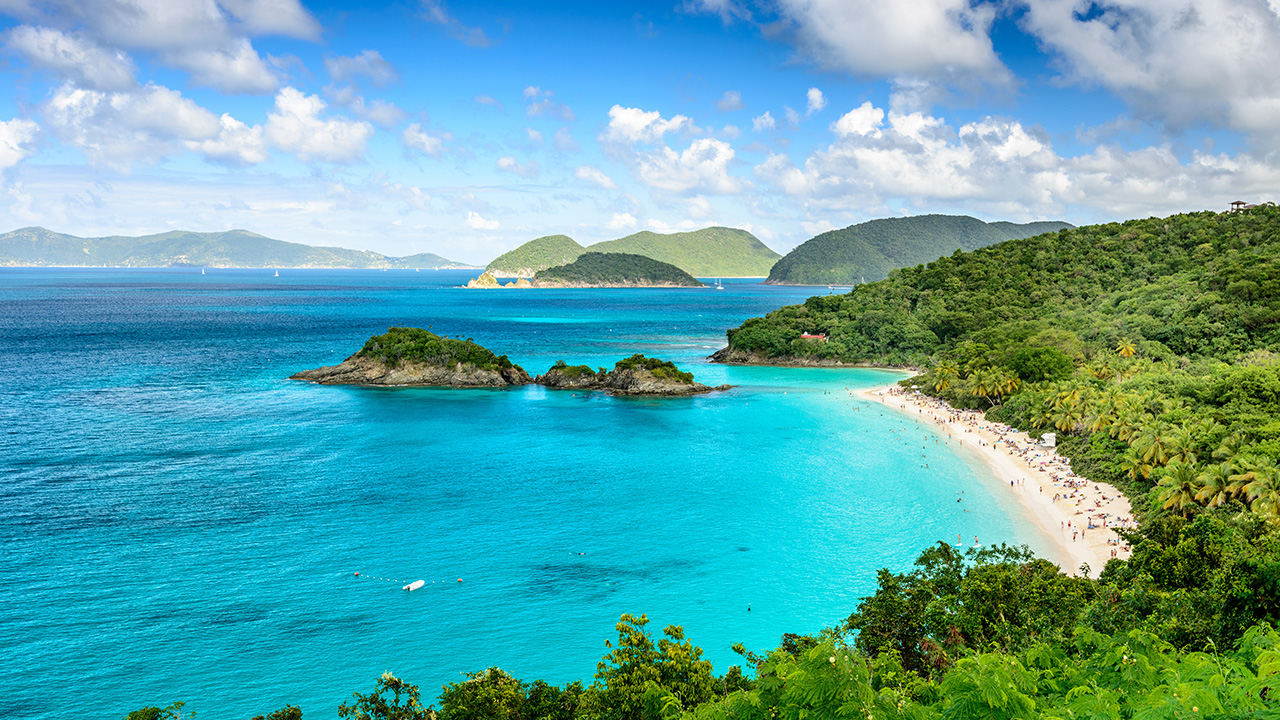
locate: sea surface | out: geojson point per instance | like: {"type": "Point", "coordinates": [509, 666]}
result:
{"type": "Point", "coordinates": [179, 521]}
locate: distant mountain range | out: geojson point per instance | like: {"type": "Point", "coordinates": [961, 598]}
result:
{"type": "Point", "coordinates": [709, 252]}
{"type": "Point", "coordinates": [868, 251]}
{"type": "Point", "coordinates": [36, 246]}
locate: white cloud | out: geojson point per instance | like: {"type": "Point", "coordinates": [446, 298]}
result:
{"type": "Point", "coordinates": [535, 137]}
{"type": "Point", "coordinates": [699, 208]}
{"type": "Point", "coordinates": [862, 120]}
{"type": "Point", "coordinates": [595, 175]}
{"type": "Point", "coordinates": [793, 117]}
{"type": "Point", "coordinates": [273, 17]}
{"type": "Point", "coordinates": [16, 137]}
{"type": "Point", "coordinates": [379, 112]}
{"type": "Point", "coordinates": [487, 100]}
{"type": "Point", "coordinates": [478, 223]}
{"type": "Point", "coordinates": [731, 131]}
{"type": "Point", "coordinates": [621, 221]}
{"type": "Point", "coordinates": [416, 138]}
{"type": "Point", "coordinates": [634, 125]}
{"type": "Point", "coordinates": [763, 122]}
{"type": "Point", "coordinates": [434, 11]}
{"type": "Point", "coordinates": [545, 107]}
{"type": "Point", "coordinates": [511, 165]}
{"type": "Point", "coordinates": [563, 141]}
{"type": "Point", "coordinates": [119, 129]}
{"type": "Point", "coordinates": [295, 126]}
{"type": "Point", "coordinates": [232, 68]}
{"type": "Point", "coordinates": [1178, 63]}
{"type": "Point", "coordinates": [235, 144]}
{"type": "Point", "coordinates": [368, 64]}
{"type": "Point", "coordinates": [815, 101]}
{"type": "Point", "coordinates": [72, 57]}
{"type": "Point", "coordinates": [703, 166]}
{"type": "Point", "coordinates": [731, 100]}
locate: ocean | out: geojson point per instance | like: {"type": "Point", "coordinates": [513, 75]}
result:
{"type": "Point", "coordinates": [180, 521]}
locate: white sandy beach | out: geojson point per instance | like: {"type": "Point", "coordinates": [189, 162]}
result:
{"type": "Point", "coordinates": [1077, 513]}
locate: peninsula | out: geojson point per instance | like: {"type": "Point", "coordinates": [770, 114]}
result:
{"type": "Point", "coordinates": [598, 270]}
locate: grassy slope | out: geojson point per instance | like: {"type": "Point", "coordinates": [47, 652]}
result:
{"type": "Point", "coordinates": [539, 254]}
{"type": "Point", "coordinates": [871, 249]}
{"type": "Point", "coordinates": [709, 252]}
{"type": "Point", "coordinates": [595, 268]}
{"type": "Point", "coordinates": [232, 248]}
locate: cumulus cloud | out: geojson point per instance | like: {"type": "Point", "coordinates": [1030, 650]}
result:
{"type": "Point", "coordinates": [16, 138]}
{"type": "Point", "coordinates": [434, 11]}
{"type": "Point", "coordinates": [271, 17]}
{"type": "Point", "coordinates": [703, 166]}
{"type": "Point", "coordinates": [233, 68]}
{"type": "Point", "coordinates": [379, 112]}
{"type": "Point", "coordinates": [634, 125]}
{"type": "Point", "coordinates": [295, 126]}
{"type": "Point", "coordinates": [763, 122]}
{"type": "Point", "coordinates": [235, 144]}
{"type": "Point", "coordinates": [621, 221]}
{"type": "Point", "coordinates": [863, 120]}
{"type": "Point", "coordinates": [1178, 63]}
{"type": "Point", "coordinates": [595, 175]}
{"type": "Point", "coordinates": [511, 165]}
{"type": "Point", "coordinates": [793, 117]}
{"type": "Point", "coordinates": [478, 223]}
{"type": "Point", "coordinates": [368, 64]}
{"type": "Point", "coordinates": [815, 101]}
{"type": "Point", "coordinates": [71, 57]}
{"type": "Point", "coordinates": [541, 105]}
{"type": "Point", "coordinates": [731, 100]}
{"type": "Point", "coordinates": [415, 137]}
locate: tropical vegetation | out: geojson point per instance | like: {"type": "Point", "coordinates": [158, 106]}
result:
{"type": "Point", "coordinates": [535, 255]}
{"type": "Point", "coordinates": [595, 269]}
{"type": "Point", "coordinates": [400, 345]}
{"type": "Point", "coordinates": [869, 251]}
{"type": "Point", "coordinates": [709, 252]}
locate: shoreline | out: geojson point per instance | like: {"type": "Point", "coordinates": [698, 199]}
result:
{"type": "Point", "coordinates": [1039, 478]}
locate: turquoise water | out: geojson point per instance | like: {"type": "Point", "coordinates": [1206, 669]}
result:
{"type": "Point", "coordinates": [179, 521]}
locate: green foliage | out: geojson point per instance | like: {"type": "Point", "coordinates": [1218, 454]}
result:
{"type": "Point", "coordinates": [399, 345]}
{"type": "Point", "coordinates": [658, 367]}
{"type": "Point", "coordinates": [173, 711]}
{"type": "Point", "coordinates": [1199, 284]}
{"type": "Point", "coordinates": [636, 664]}
{"type": "Point", "coordinates": [593, 268]}
{"type": "Point", "coordinates": [537, 255]}
{"type": "Point", "coordinates": [391, 699]}
{"type": "Point", "coordinates": [872, 249]}
{"type": "Point", "coordinates": [288, 712]}
{"type": "Point", "coordinates": [233, 248]}
{"type": "Point", "coordinates": [1040, 364]}
{"type": "Point", "coordinates": [486, 695]}
{"type": "Point", "coordinates": [709, 252]}
{"type": "Point", "coordinates": [574, 371]}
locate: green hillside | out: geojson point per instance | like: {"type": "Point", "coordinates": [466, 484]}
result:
{"type": "Point", "coordinates": [709, 252]}
{"type": "Point", "coordinates": [35, 246]}
{"type": "Point", "coordinates": [595, 269]}
{"type": "Point", "coordinates": [868, 251]}
{"type": "Point", "coordinates": [536, 255]}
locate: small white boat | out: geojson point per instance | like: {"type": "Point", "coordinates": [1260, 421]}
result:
{"type": "Point", "coordinates": [414, 585]}
{"type": "Point", "coordinates": [201, 271]}
{"type": "Point", "coordinates": [718, 285]}
{"type": "Point", "coordinates": [277, 273]}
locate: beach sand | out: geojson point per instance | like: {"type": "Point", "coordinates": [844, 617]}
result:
{"type": "Point", "coordinates": [1079, 520]}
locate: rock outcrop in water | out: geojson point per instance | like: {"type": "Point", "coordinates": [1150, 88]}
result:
{"type": "Point", "coordinates": [636, 375]}
{"type": "Point", "coordinates": [415, 357]}
{"type": "Point", "coordinates": [409, 357]}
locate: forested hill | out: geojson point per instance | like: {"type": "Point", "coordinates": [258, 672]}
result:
{"type": "Point", "coordinates": [709, 252]}
{"type": "Point", "coordinates": [868, 251]}
{"type": "Point", "coordinates": [1194, 284]}
{"type": "Point", "coordinates": [595, 269]}
{"type": "Point", "coordinates": [36, 246]}
{"type": "Point", "coordinates": [535, 255]}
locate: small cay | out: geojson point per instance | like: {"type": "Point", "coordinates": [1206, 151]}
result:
{"type": "Point", "coordinates": [413, 357]}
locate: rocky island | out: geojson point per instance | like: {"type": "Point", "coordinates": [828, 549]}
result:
{"type": "Point", "coordinates": [413, 356]}
{"type": "Point", "coordinates": [636, 375]}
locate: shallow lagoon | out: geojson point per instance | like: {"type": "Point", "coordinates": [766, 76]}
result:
{"type": "Point", "coordinates": [179, 521]}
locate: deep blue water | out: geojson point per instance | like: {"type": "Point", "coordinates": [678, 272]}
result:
{"type": "Point", "coordinates": [180, 521]}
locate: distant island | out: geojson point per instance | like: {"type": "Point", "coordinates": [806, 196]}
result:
{"type": "Point", "coordinates": [869, 251]}
{"type": "Point", "coordinates": [38, 247]}
{"type": "Point", "coordinates": [599, 270]}
{"type": "Point", "coordinates": [709, 252]}
{"type": "Point", "coordinates": [414, 357]}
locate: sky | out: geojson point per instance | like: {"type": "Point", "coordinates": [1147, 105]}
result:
{"type": "Point", "coordinates": [468, 128]}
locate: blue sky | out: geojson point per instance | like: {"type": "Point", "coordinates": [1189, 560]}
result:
{"type": "Point", "coordinates": [468, 128]}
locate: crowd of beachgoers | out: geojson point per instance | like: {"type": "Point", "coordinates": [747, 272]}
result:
{"type": "Point", "coordinates": [1085, 513]}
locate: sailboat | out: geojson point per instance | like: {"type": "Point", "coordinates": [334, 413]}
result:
{"type": "Point", "coordinates": [201, 271]}
{"type": "Point", "coordinates": [718, 285]}
{"type": "Point", "coordinates": [277, 273]}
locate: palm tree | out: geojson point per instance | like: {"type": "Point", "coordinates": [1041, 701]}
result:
{"type": "Point", "coordinates": [1133, 465]}
{"type": "Point", "coordinates": [1263, 487]}
{"type": "Point", "coordinates": [944, 375]}
{"type": "Point", "coordinates": [1152, 441]}
{"type": "Point", "coordinates": [1125, 348]}
{"type": "Point", "coordinates": [1128, 422]}
{"type": "Point", "coordinates": [1183, 441]}
{"type": "Point", "coordinates": [1178, 488]}
{"type": "Point", "coordinates": [1215, 485]}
